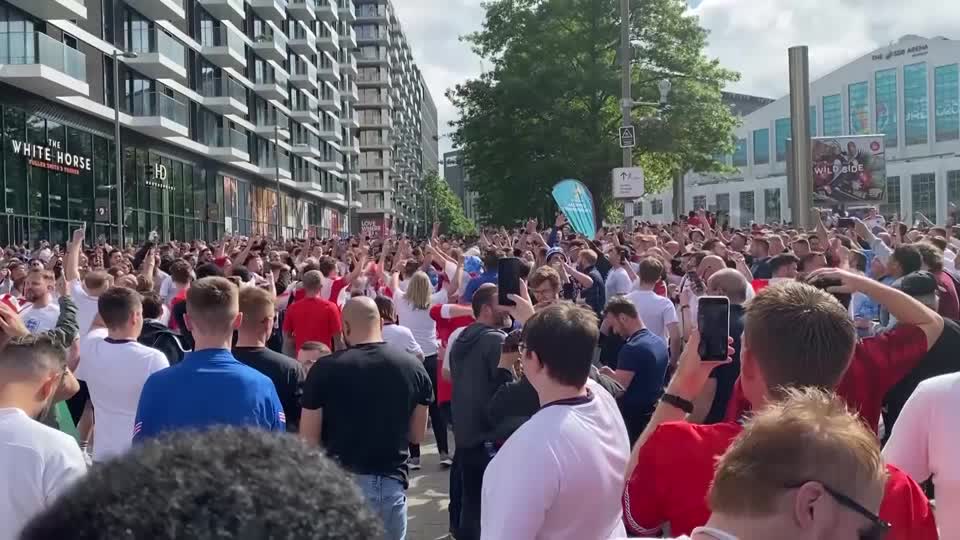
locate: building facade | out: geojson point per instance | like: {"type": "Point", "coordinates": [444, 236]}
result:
{"type": "Point", "coordinates": [392, 134]}
{"type": "Point", "coordinates": [908, 91]}
{"type": "Point", "coordinates": [457, 178]}
{"type": "Point", "coordinates": [237, 117]}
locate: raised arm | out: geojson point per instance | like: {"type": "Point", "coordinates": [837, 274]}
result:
{"type": "Point", "coordinates": [71, 264]}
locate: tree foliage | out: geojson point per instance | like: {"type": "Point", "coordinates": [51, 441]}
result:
{"type": "Point", "coordinates": [442, 205]}
{"type": "Point", "coordinates": [549, 108]}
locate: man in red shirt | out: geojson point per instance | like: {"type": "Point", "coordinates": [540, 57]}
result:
{"type": "Point", "coordinates": [795, 335]}
{"type": "Point", "coordinates": [312, 318]}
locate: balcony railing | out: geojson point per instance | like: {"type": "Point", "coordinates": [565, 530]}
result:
{"type": "Point", "coordinates": [28, 48]}
{"type": "Point", "coordinates": [155, 40]}
{"type": "Point", "coordinates": [223, 87]}
{"type": "Point", "coordinates": [227, 138]}
{"type": "Point", "coordinates": [223, 37]}
{"type": "Point", "coordinates": [303, 4]}
{"type": "Point", "coordinates": [157, 104]}
{"type": "Point", "coordinates": [271, 77]}
{"type": "Point", "coordinates": [371, 11]}
{"type": "Point", "coordinates": [272, 118]}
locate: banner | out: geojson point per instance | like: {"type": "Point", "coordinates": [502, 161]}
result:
{"type": "Point", "coordinates": [849, 170]}
{"type": "Point", "coordinates": [576, 203]}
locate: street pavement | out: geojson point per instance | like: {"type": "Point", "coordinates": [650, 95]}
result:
{"type": "Point", "coordinates": [428, 496]}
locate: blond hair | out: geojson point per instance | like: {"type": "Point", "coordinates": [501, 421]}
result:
{"type": "Point", "coordinates": [419, 290]}
{"type": "Point", "coordinates": [811, 435]}
{"type": "Point", "coordinates": [212, 304]}
{"type": "Point", "coordinates": [256, 304]}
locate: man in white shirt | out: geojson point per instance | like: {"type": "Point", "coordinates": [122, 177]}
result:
{"type": "Point", "coordinates": [618, 280]}
{"type": "Point", "coordinates": [36, 462]}
{"type": "Point", "coordinates": [85, 292]}
{"type": "Point", "coordinates": [657, 312]}
{"type": "Point", "coordinates": [560, 476]}
{"type": "Point", "coordinates": [41, 314]}
{"type": "Point", "coordinates": [115, 367]}
{"type": "Point", "coordinates": [393, 334]}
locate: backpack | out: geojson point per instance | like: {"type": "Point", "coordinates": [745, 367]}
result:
{"type": "Point", "coordinates": [163, 340]}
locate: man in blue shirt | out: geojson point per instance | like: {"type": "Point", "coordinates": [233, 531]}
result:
{"type": "Point", "coordinates": [209, 387]}
{"type": "Point", "coordinates": [490, 260]}
{"type": "Point", "coordinates": [641, 364]}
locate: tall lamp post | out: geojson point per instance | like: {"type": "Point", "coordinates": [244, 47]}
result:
{"type": "Point", "coordinates": [627, 103]}
{"type": "Point", "coordinates": [117, 162]}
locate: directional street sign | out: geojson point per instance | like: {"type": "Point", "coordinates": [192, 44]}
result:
{"type": "Point", "coordinates": [628, 183]}
{"type": "Point", "coordinates": [628, 138]}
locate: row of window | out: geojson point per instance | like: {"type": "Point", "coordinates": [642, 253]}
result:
{"type": "Point", "coordinates": [946, 113]}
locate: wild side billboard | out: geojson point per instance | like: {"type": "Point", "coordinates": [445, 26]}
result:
{"type": "Point", "coordinates": [850, 171]}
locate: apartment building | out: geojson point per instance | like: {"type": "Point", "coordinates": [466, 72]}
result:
{"type": "Point", "coordinates": [236, 117]}
{"type": "Point", "coordinates": [394, 129]}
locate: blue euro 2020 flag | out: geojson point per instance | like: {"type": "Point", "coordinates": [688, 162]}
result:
{"type": "Point", "coordinates": [576, 203]}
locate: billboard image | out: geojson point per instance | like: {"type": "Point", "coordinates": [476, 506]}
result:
{"type": "Point", "coordinates": [849, 170]}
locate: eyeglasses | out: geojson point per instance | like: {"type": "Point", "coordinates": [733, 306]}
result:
{"type": "Point", "coordinates": [878, 528]}
{"type": "Point", "coordinates": [522, 349]}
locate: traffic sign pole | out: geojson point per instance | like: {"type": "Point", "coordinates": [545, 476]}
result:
{"type": "Point", "coordinates": [626, 103]}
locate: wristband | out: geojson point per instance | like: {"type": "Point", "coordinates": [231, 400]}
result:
{"type": "Point", "coordinates": [678, 402]}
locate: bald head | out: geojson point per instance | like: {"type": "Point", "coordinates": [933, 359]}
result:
{"type": "Point", "coordinates": [710, 265]}
{"type": "Point", "coordinates": [730, 283]}
{"type": "Point", "coordinates": [361, 321]}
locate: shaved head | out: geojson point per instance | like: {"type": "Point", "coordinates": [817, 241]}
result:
{"type": "Point", "coordinates": [710, 265]}
{"type": "Point", "coordinates": [361, 321]}
{"type": "Point", "coordinates": [730, 283]}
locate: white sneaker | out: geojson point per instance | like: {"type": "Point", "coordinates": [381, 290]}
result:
{"type": "Point", "coordinates": [446, 460]}
{"type": "Point", "coordinates": [413, 463]}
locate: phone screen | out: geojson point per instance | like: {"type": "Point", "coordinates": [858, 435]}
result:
{"type": "Point", "coordinates": [508, 279]}
{"type": "Point", "coordinates": [713, 320]}
{"type": "Point", "coordinates": [846, 223]}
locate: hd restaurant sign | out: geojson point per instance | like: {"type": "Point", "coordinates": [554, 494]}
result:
{"type": "Point", "coordinates": [52, 157]}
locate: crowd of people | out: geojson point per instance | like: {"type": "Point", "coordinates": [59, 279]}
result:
{"type": "Point", "coordinates": [264, 388]}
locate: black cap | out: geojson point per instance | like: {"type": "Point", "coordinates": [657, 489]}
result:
{"type": "Point", "coordinates": [920, 283]}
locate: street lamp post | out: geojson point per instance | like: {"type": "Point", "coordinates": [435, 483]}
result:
{"type": "Point", "coordinates": [117, 161]}
{"type": "Point", "coordinates": [276, 164]}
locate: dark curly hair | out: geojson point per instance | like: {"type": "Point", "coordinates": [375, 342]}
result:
{"type": "Point", "coordinates": [222, 483]}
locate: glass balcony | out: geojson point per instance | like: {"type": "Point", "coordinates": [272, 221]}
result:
{"type": "Point", "coordinates": [372, 13]}
{"type": "Point", "coordinates": [231, 10]}
{"type": "Point", "coordinates": [304, 76]}
{"type": "Point", "coordinates": [159, 55]}
{"type": "Point", "coordinates": [38, 63]}
{"type": "Point", "coordinates": [227, 138]}
{"type": "Point", "coordinates": [53, 9]}
{"type": "Point", "coordinates": [270, 84]}
{"type": "Point", "coordinates": [224, 46]}
{"type": "Point", "coordinates": [271, 46]}
{"type": "Point", "coordinates": [302, 41]}
{"type": "Point", "coordinates": [158, 114]}
{"type": "Point", "coordinates": [271, 123]}
{"type": "Point", "coordinates": [327, 10]}
{"type": "Point", "coordinates": [328, 40]}
{"type": "Point", "coordinates": [303, 10]}
{"type": "Point", "coordinates": [270, 10]}
{"type": "Point", "coordinates": [160, 10]}
{"type": "Point", "coordinates": [348, 10]}
{"type": "Point", "coordinates": [224, 96]}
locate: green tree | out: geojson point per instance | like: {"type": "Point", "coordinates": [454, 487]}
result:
{"type": "Point", "coordinates": [549, 108]}
{"type": "Point", "coordinates": [442, 205]}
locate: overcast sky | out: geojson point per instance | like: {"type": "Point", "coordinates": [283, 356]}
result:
{"type": "Point", "coordinates": [750, 36]}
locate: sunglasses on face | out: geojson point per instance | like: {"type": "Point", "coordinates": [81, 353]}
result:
{"type": "Point", "coordinates": [877, 530]}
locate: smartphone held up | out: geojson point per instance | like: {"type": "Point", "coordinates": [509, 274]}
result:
{"type": "Point", "coordinates": [713, 321]}
{"type": "Point", "coordinates": [508, 280]}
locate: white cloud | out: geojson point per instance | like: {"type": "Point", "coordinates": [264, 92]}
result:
{"type": "Point", "coordinates": [752, 36]}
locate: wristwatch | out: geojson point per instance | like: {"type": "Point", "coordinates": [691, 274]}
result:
{"type": "Point", "coordinates": [678, 402]}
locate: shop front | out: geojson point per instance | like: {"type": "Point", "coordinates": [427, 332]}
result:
{"type": "Point", "coordinates": [57, 172]}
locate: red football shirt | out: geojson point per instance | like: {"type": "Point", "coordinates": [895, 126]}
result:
{"type": "Point", "coordinates": [336, 287]}
{"type": "Point", "coordinates": [312, 319]}
{"type": "Point", "coordinates": [445, 327]}
{"type": "Point", "coordinates": [180, 297]}
{"type": "Point", "coordinates": [676, 466]}
{"type": "Point", "coordinates": [879, 363]}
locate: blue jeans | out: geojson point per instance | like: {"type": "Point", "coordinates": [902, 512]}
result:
{"type": "Point", "coordinates": [388, 499]}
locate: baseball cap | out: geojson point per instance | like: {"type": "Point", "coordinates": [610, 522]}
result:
{"type": "Point", "coordinates": [918, 283]}
{"type": "Point", "coordinates": [556, 251]}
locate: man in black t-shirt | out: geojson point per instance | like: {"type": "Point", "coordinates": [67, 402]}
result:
{"type": "Point", "coordinates": [366, 404]}
{"type": "Point", "coordinates": [257, 307]}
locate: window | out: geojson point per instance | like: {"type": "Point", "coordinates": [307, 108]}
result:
{"type": "Point", "coordinates": [915, 103]}
{"type": "Point", "coordinates": [723, 203]}
{"type": "Point", "coordinates": [782, 132]}
{"type": "Point", "coordinates": [813, 120]}
{"type": "Point", "coordinates": [946, 95]}
{"type": "Point", "coordinates": [886, 94]}
{"type": "Point", "coordinates": [859, 106]}
{"type": "Point", "coordinates": [953, 187]}
{"type": "Point", "coordinates": [700, 202]}
{"type": "Point", "coordinates": [771, 204]}
{"type": "Point", "coordinates": [740, 154]}
{"type": "Point", "coordinates": [746, 208]}
{"type": "Point", "coordinates": [832, 122]}
{"type": "Point", "coordinates": [656, 207]}
{"type": "Point", "coordinates": [638, 208]}
{"type": "Point", "coordinates": [761, 146]}
{"type": "Point", "coordinates": [924, 190]}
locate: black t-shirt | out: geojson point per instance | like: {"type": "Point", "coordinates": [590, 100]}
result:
{"type": "Point", "coordinates": [367, 394]}
{"type": "Point", "coordinates": [286, 374]}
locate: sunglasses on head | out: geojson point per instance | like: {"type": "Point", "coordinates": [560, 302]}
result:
{"type": "Point", "coordinates": [877, 529]}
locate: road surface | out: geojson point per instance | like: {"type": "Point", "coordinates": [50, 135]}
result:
{"type": "Point", "coordinates": [428, 496]}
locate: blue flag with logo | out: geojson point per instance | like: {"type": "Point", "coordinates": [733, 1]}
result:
{"type": "Point", "coordinates": [576, 203]}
